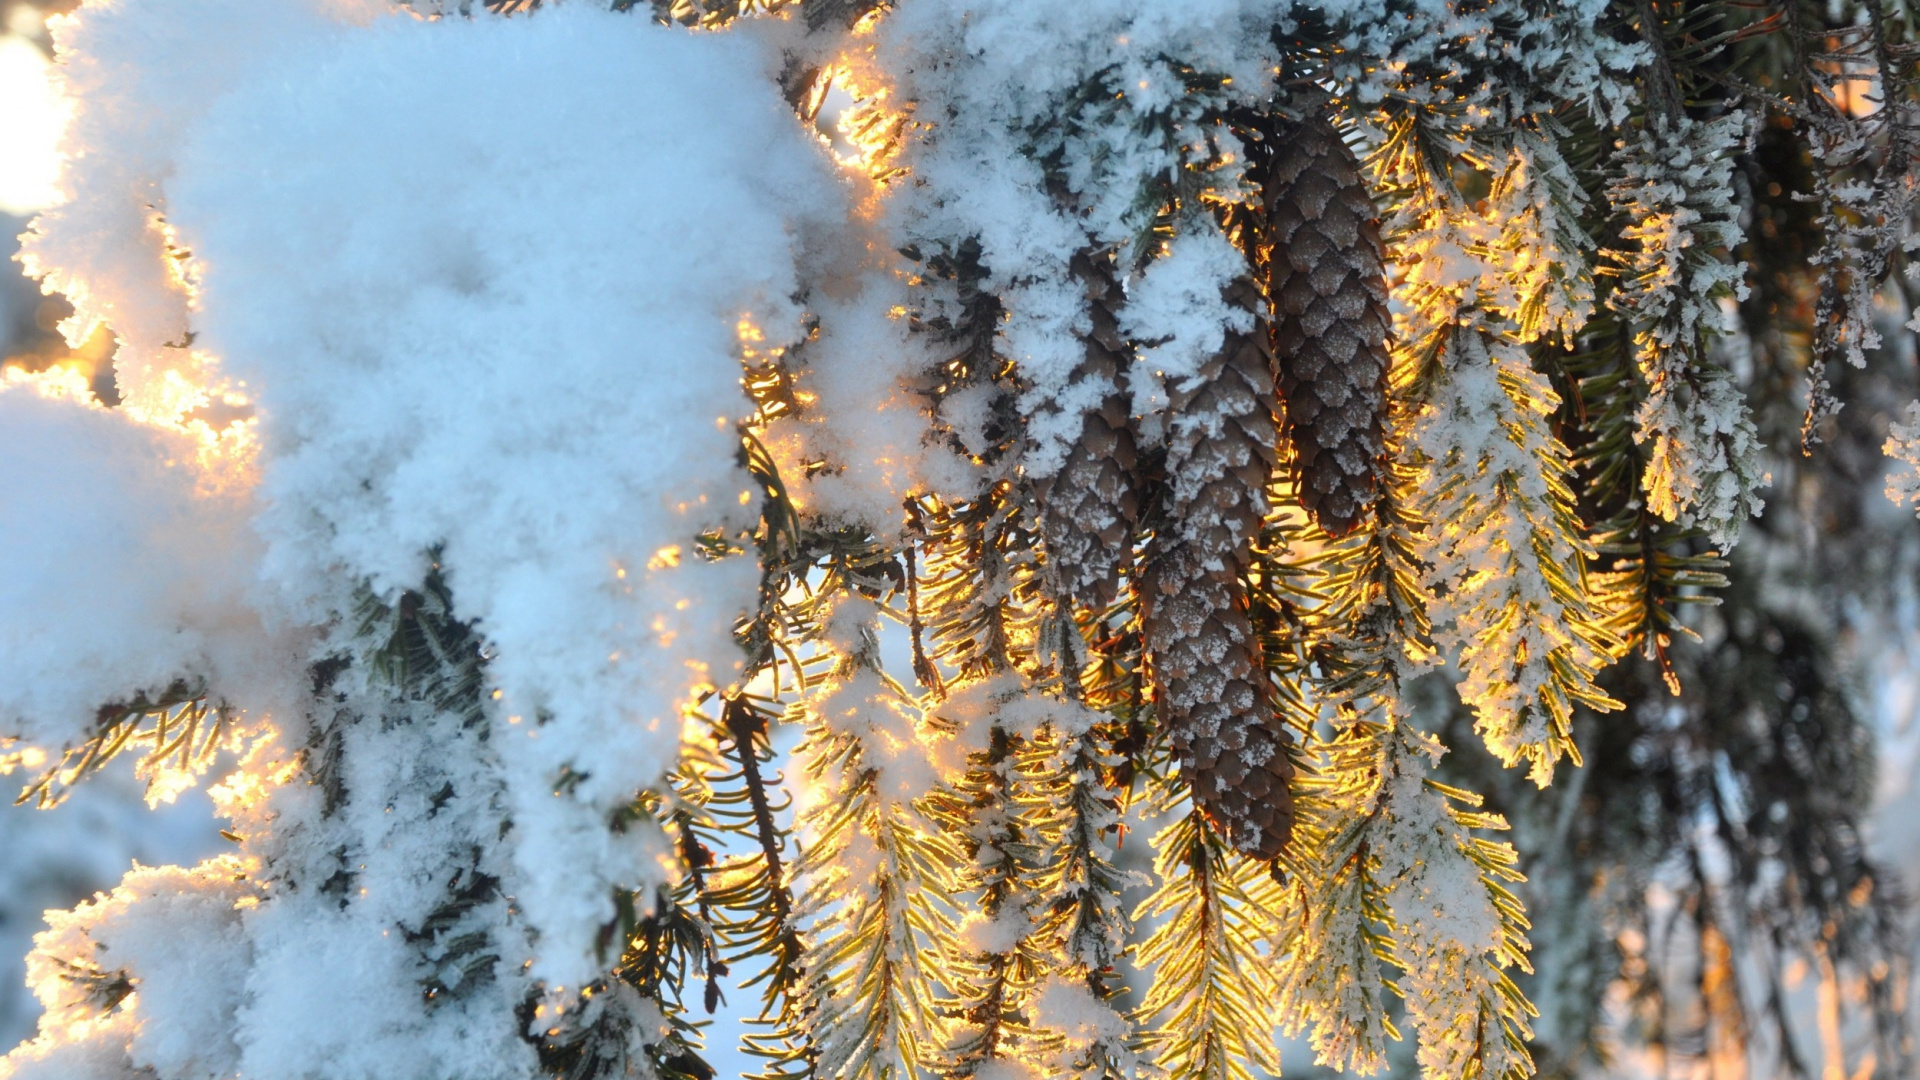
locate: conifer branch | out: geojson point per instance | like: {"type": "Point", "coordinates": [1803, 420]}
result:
{"type": "Point", "coordinates": [1083, 925]}
{"type": "Point", "coordinates": [1335, 936]}
{"type": "Point", "coordinates": [1647, 569]}
{"type": "Point", "coordinates": [1509, 563]}
{"type": "Point", "coordinates": [1496, 480]}
{"type": "Point", "coordinates": [181, 730]}
{"type": "Point", "coordinates": [871, 876]}
{"type": "Point", "coordinates": [1208, 1013]}
{"type": "Point", "coordinates": [996, 961]}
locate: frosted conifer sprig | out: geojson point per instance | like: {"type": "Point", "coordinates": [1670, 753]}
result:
{"type": "Point", "coordinates": [873, 871]}
{"type": "Point", "coordinates": [1334, 942]}
{"type": "Point", "coordinates": [1903, 446]}
{"type": "Point", "coordinates": [1854, 103]}
{"type": "Point", "coordinates": [1546, 253]}
{"type": "Point", "coordinates": [1079, 1028]}
{"type": "Point", "coordinates": [185, 730]}
{"type": "Point", "coordinates": [1674, 182]}
{"type": "Point", "coordinates": [1503, 552]}
{"type": "Point", "coordinates": [1206, 1014]}
{"type": "Point", "coordinates": [1650, 569]}
{"type": "Point", "coordinates": [753, 893]}
{"type": "Point", "coordinates": [638, 1017]}
{"type": "Point", "coordinates": [1382, 842]}
{"type": "Point", "coordinates": [1459, 930]}
{"type": "Point", "coordinates": [1506, 557]}
{"type": "Point", "coordinates": [995, 962]}
{"type": "Point", "coordinates": [978, 592]}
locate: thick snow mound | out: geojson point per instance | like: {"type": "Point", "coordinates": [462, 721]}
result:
{"type": "Point", "coordinates": [489, 282]}
{"type": "Point", "coordinates": [124, 564]}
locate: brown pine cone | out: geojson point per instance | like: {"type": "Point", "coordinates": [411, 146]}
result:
{"type": "Point", "coordinates": [1210, 684]}
{"type": "Point", "coordinates": [1088, 510]}
{"type": "Point", "coordinates": [1327, 280]}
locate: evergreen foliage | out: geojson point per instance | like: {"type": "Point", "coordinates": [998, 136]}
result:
{"type": "Point", "coordinates": [1214, 439]}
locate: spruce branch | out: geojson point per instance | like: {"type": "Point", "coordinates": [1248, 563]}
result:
{"type": "Point", "coordinates": [1647, 568]}
{"type": "Point", "coordinates": [1083, 925]}
{"type": "Point", "coordinates": [1208, 1014]}
{"type": "Point", "coordinates": [1504, 556]}
{"type": "Point", "coordinates": [1509, 564]}
{"type": "Point", "coordinates": [1863, 178]}
{"type": "Point", "coordinates": [1335, 938]}
{"type": "Point", "coordinates": [180, 733]}
{"type": "Point", "coordinates": [752, 894]}
{"type": "Point", "coordinates": [871, 876]}
{"type": "Point", "coordinates": [996, 961]}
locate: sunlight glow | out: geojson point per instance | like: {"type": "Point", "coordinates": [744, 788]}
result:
{"type": "Point", "coordinates": [29, 129]}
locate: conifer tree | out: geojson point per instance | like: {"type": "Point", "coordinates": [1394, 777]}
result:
{"type": "Point", "coordinates": [652, 549]}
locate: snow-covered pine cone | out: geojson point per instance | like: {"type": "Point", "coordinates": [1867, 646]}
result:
{"type": "Point", "coordinates": [1327, 281]}
{"type": "Point", "coordinates": [1210, 684]}
{"type": "Point", "coordinates": [1090, 507]}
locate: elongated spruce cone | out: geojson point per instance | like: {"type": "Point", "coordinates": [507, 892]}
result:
{"type": "Point", "coordinates": [1090, 508]}
{"type": "Point", "coordinates": [1210, 684]}
{"type": "Point", "coordinates": [1327, 280]}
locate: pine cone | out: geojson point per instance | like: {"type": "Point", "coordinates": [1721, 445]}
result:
{"type": "Point", "coordinates": [1211, 689]}
{"type": "Point", "coordinates": [1090, 507]}
{"type": "Point", "coordinates": [1327, 280]}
